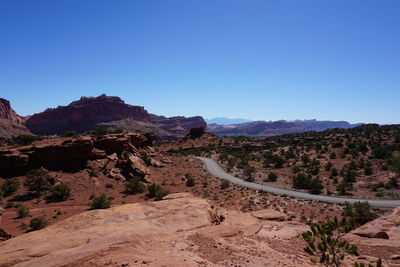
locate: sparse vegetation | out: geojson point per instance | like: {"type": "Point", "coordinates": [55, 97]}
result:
{"type": "Point", "coordinates": [100, 202]}
{"type": "Point", "coordinates": [38, 223]}
{"type": "Point", "coordinates": [190, 182]}
{"type": "Point", "coordinates": [23, 140]}
{"type": "Point", "coordinates": [22, 212]}
{"type": "Point", "coordinates": [156, 191]}
{"type": "Point", "coordinates": [9, 187]}
{"type": "Point", "coordinates": [134, 186]}
{"type": "Point", "coordinates": [59, 192]}
{"type": "Point", "coordinates": [38, 181]}
{"type": "Point", "coordinates": [272, 177]}
{"type": "Point", "coordinates": [326, 243]}
{"type": "Point", "coordinates": [224, 184]}
{"type": "Point", "coordinates": [360, 212]}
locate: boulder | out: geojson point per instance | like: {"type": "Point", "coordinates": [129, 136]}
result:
{"type": "Point", "coordinates": [270, 215]}
{"type": "Point", "coordinates": [384, 227]}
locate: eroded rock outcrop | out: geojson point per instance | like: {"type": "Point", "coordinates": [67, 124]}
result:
{"type": "Point", "coordinates": [75, 153]}
{"type": "Point", "coordinates": [385, 227]}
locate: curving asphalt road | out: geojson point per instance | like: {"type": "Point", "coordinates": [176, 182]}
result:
{"type": "Point", "coordinates": [214, 169]}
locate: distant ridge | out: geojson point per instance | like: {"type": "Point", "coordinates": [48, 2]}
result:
{"type": "Point", "coordinates": [271, 128]}
{"type": "Point", "coordinates": [226, 121]}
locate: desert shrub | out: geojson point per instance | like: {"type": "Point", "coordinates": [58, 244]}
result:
{"type": "Point", "coordinates": [22, 212]}
{"type": "Point", "coordinates": [343, 188]}
{"type": "Point", "coordinates": [368, 170]}
{"type": "Point", "coordinates": [9, 187]}
{"type": "Point", "coordinates": [394, 163]}
{"type": "Point", "coordinates": [326, 243]}
{"type": "Point", "coordinates": [272, 159]}
{"type": "Point", "coordinates": [100, 202]}
{"type": "Point", "coordinates": [328, 166]}
{"type": "Point", "coordinates": [156, 191]}
{"type": "Point", "coordinates": [134, 186]}
{"type": "Point", "coordinates": [392, 183]}
{"type": "Point", "coordinates": [10, 204]}
{"type": "Point", "coordinates": [190, 182]}
{"type": "Point", "coordinates": [100, 130]}
{"type": "Point", "coordinates": [38, 180]}
{"type": "Point", "coordinates": [93, 173]}
{"type": "Point", "coordinates": [272, 177]}
{"type": "Point", "coordinates": [360, 212]}
{"type": "Point", "coordinates": [224, 185]}
{"type": "Point", "coordinates": [145, 158]}
{"type": "Point", "coordinates": [248, 172]}
{"type": "Point", "coordinates": [24, 140]}
{"type": "Point", "coordinates": [109, 186]}
{"type": "Point", "coordinates": [38, 223]}
{"type": "Point", "coordinates": [303, 181]}
{"type": "Point", "coordinates": [69, 134]}
{"type": "Point", "coordinates": [60, 192]}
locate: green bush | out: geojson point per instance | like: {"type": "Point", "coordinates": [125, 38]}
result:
{"type": "Point", "coordinates": [9, 187]}
{"type": "Point", "coordinates": [93, 173]}
{"type": "Point", "coordinates": [38, 180]}
{"type": "Point", "coordinates": [70, 134]}
{"type": "Point", "coordinates": [23, 212]}
{"type": "Point", "coordinates": [272, 177]}
{"type": "Point", "coordinates": [224, 184]}
{"type": "Point", "coordinates": [60, 192]}
{"type": "Point", "coordinates": [146, 158]}
{"type": "Point", "coordinates": [10, 204]}
{"type": "Point", "coordinates": [343, 188]}
{"type": "Point", "coordinates": [303, 181]}
{"type": "Point", "coordinates": [38, 223]}
{"type": "Point", "coordinates": [326, 243]}
{"type": "Point", "coordinates": [24, 140]}
{"type": "Point", "coordinates": [100, 202]}
{"type": "Point", "coordinates": [156, 191]}
{"type": "Point", "coordinates": [134, 186]}
{"type": "Point", "coordinates": [190, 182]}
{"type": "Point", "coordinates": [360, 212]}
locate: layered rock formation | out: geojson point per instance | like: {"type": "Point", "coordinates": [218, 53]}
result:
{"type": "Point", "coordinates": [10, 122]}
{"type": "Point", "coordinates": [75, 153]}
{"type": "Point", "coordinates": [83, 115]}
{"type": "Point", "coordinates": [111, 112]}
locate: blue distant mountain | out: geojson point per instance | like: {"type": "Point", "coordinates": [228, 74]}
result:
{"type": "Point", "coordinates": [226, 121]}
{"type": "Point", "coordinates": [270, 128]}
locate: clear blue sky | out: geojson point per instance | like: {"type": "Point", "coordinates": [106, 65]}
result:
{"type": "Point", "coordinates": [256, 59]}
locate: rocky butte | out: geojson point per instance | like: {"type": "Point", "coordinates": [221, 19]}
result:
{"type": "Point", "coordinates": [111, 112]}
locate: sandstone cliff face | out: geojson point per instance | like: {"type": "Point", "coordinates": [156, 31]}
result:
{"type": "Point", "coordinates": [10, 122]}
{"type": "Point", "coordinates": [83, 115]}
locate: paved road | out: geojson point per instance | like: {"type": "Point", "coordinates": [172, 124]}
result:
{"type": "Point", "coordinates": [214, 169]}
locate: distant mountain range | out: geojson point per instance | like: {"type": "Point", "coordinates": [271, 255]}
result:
{"type": "Point", "coordinates": [270, 128]}
{"type": "Point", "coordinates": [112, 112]}
{"type": "Point", "coordinates": [226, 121]}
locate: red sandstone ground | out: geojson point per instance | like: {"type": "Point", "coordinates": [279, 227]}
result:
{"type": "Point", "coordinates": [199, 247]}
